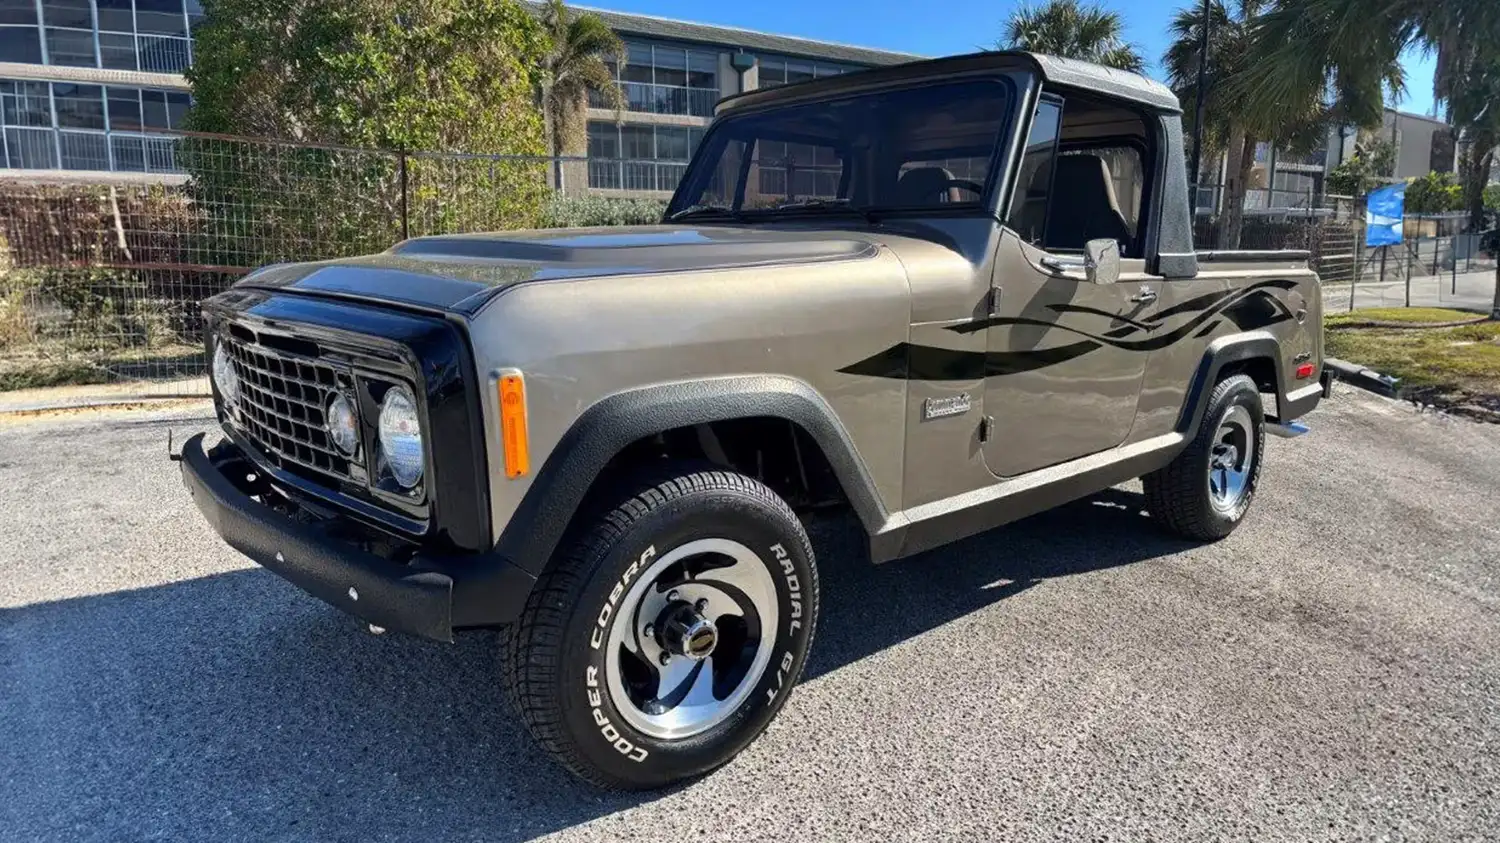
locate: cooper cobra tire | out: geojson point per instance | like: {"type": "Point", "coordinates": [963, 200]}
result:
{"type": "Point", "coordinates": [704, 553]}
{"type": "Point", "coordinates": [1206, 490]}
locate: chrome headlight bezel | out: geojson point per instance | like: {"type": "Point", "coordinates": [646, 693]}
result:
{"type": "Point", "coordinates": [399, 432]}
{"type": "Point", "coordinates": [341, 423]}
{"type": "Point", "coordinates": [226, 379]}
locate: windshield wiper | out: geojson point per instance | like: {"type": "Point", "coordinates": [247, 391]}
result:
{"type": "Point", "coordinates": [702, 210]}
{"type": "Point", "coordinates": [826, 205]}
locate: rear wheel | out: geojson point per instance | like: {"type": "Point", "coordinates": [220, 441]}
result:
{"type": "Point", "coordinates": [668, 634]}
{"type": "Point", "coordinates": [1205, 492]}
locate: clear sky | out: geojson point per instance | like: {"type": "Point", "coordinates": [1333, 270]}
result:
{"type": "Point", "coordinates": [935, 27]}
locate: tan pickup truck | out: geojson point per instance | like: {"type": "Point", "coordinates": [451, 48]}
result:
{"type": "Point", "coordinates": [943, 296]}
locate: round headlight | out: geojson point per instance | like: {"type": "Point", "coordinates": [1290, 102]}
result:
{"type": "Point", "coordinates": [225, 378]}
{"type": "Point", "coordinates": [339, 419]}
{"type": "Point", "coordinates": [401, 436]}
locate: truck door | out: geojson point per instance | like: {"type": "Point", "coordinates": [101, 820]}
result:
{"type": "Point", "coordinates": [1066, 357]}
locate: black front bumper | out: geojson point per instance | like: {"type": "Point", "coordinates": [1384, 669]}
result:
{"type": "Point", "coordinates": [430, 596]}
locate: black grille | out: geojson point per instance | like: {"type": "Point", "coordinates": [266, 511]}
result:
{"type": "Point", "coordinates": [281, 405]}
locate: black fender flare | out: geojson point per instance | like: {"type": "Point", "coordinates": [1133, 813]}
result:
{"type": "Point", "coordinates": [1221, 353]}
{"type": "Point", "coordinates": [614, 422]}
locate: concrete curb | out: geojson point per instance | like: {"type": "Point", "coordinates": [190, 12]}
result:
{"type": "Point", "coordinates": [1357, 375]}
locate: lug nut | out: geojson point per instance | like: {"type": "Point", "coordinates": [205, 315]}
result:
{"type": "Point", "coordinates": [701, 605]}
{"type": "Point", "coordinates": [649, 631]}
{"type": "Point", "coordinates": [672, 596]}
{"type": "Point", "coordinates": [665, 657]}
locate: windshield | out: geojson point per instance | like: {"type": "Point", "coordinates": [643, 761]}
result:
{"type": "Point", "coordinates": [928, 147]}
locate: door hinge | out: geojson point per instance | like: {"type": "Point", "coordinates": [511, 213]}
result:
{"type": "Point", "coordinates": [986, 428]}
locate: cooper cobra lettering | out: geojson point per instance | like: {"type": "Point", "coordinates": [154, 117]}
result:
{"type": "Point", "coordinates": [608, 729]}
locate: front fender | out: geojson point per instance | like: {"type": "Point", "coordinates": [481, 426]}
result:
{"type": "Point", "coordinates": [608, 426]}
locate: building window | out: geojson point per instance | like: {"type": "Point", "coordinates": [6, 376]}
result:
{"type": "Point", "coordinates": [20, 43]}
{"type": "Point", "coordinates": [658, 79]}
{"type": "Point", "coordinates": [778, 70]}
{"type": "Point", "coordinates": [71, 47]}
{"type": "Point", "coordinates": [47, 125]}
{"type": "Point", "coordinates": [644, 158]}
{"type": "Point", "coordinates": [149, 35]}
{"type": "Point", "coordinates": [792, 171]}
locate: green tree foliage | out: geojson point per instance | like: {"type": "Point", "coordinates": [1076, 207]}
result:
{"type": "Point", "coordinates": [1350, 46]}
{"type": "Point", "coordinates": [1434, 193]}
{"type": "Point", "coordinates": [1299, 125]}
{"type": "Point", "coordinates": [1073, 30]}
{"type": "Point", "coordinates": [1474, 107]}
{"type": "Point", "coordinates": [412, 75]}
{"type": "Point", "coordinates": [1492, 198]}
{"type": "Point", "coordinates": [449, 75]}
{"type": "Point", "coordinates": [1371, 165]}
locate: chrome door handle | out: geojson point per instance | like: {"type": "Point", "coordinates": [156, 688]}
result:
{"type": "Point", "coordinates": [1145, 296]}
{"type": "Point", "coordinates": [1063, 265]}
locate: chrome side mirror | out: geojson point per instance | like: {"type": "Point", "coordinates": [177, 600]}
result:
{"type": "Point", "coordinates": [1101, 261]}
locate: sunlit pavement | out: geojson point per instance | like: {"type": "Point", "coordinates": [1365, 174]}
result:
{"type": "Point", "coordinates": [1330, 671]}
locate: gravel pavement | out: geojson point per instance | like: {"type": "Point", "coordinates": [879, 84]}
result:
{"type": "Point", "coordinates": [1331, 671]}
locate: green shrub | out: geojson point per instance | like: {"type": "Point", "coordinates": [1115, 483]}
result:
{"type": "Point", "coordinates": [1434, 193]}
{"type": "Point", "coordinates": [584, 211]}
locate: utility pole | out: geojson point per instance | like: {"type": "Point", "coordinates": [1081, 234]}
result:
{"type": "Point", "coordinates": [1198, 113]}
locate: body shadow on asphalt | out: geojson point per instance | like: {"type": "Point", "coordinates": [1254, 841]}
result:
{"type": "Point", "coordinates": [234, 706]}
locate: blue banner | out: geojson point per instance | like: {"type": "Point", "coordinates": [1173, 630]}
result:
{"type": "Point", "coordinates": [1383, 212]}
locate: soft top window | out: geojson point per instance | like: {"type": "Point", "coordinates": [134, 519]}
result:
{"type": "Point", "coordinates": [922, 147]}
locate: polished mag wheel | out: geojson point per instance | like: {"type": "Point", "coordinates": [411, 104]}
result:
{"type": "Point", "coordinates": [689, 640]}
{"type": "Point", "coordinates": [1231, 459]}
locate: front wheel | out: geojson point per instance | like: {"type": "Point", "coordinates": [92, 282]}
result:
{"type": "Point", "coordinates": [666, 637]}
{"type": "Point", "coordinates": [1206, 490]}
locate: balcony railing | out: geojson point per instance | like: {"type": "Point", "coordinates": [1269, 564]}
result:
{"type": "Point", "coordinates": [164, 53]}
{"type": "Point", "coordinates": [663, 99]}
{"type": "Point", "coordinates": [72, 149]}
{"type": "Point", "coordinates": [636, 174]}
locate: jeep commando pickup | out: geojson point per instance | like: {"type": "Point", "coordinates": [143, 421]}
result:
{"type": "Point", "coordinates": [943, 296]}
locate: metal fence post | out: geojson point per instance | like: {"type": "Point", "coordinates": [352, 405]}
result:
{"type": "Point", "coordinates": [405, 224]}
{"type": "Point", "coordinates": [1454, 249]}
{"type": "Point", "coordinates": [1410, 256]}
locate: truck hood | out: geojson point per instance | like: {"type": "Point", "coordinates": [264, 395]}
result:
{"type": "Point", "coordinates": [460, 273]}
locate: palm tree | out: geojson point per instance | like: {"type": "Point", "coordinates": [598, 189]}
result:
{"type": "Point", "coordinates": [1299, 124]}
{"type": "Point", "coordinates": [1069, 29]}
{"type": "Point", "coordinates": [1304, 45]}
{"type": "Point", "coordinates": [1349, 46]}
{"type": "Point", "coordinates": [577, 62]}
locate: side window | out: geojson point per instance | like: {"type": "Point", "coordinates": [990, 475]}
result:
{"type": "Point", "coordinates": [1127, 179]}
{"type": "Point", "coordinates": [1083, 177]}
{"type": "Point", "coordinates": [1028, 207]}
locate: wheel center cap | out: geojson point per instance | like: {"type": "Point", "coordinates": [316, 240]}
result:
{"type": "Point", "coordinates": [685, 632]}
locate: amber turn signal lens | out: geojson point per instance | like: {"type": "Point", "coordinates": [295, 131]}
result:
{"type": "Point", "coordinates": [513, 425]}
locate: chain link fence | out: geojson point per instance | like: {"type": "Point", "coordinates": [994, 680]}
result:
{"type": "Point", "coordinates": [101, 281]}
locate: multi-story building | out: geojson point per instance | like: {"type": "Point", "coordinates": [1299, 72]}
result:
{"type": "Point", "coordinates": [95, 84]}
{"type": "Point", "coordinates": [673, 74]}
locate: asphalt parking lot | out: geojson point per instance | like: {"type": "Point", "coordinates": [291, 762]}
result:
{"type": "Point", "coordinates": [1331, 671]}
